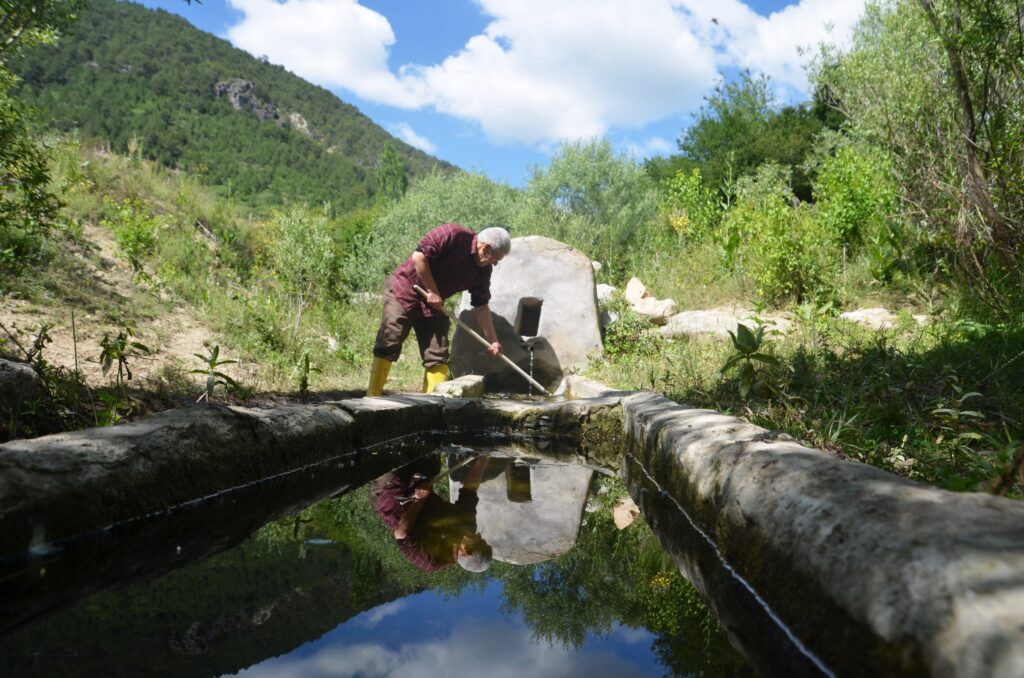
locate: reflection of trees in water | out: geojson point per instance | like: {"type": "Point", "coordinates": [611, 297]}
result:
{"type": "Point", "coordinates": [288, 585]}
{"type": "Point", "coordinates": [612, 577]}
{"type": "Point", "coordinates": [619, 577]}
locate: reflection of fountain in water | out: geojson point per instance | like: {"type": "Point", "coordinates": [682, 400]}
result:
{"type": "Point", "coordinates": [530, 506]}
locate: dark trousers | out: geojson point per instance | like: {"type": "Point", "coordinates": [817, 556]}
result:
{"type": "Point", "coordinates": [395, 323]}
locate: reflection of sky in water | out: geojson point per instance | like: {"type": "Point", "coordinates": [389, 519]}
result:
{"type": "Point", "coordinates": [429, 635]}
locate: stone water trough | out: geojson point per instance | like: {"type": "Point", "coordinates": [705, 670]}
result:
{"type": "Point", "coordinates": [814, 565]}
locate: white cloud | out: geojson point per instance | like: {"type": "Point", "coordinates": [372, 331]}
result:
{"type": "Point", "coordinates": [496, 650]}
{"type": "Point", "coordinates": [406, 133]}
{"type": "Point", "coordinates": [544, 71]}
{"type": "Point", "coordinates": [772, 44]}
{"type": "Point", "coordinates": [571, 69]}
{"type": "Point", "coordinates": [651, 147]}
{"type": "Point", "coordinates": [335, 43]}
{"type": "Point", "coordinates": [381, 612]}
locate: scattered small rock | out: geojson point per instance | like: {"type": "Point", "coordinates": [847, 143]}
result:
{"type": "Point", "coordinates": [658, 311]}
{"type": "Point", "coordinates": [605, 292]}
{"type": "Point", "coordinates": [719, 321]}
{"type": "Point", "coordinates": [635, 291]}
{"type": "Point", "coordinates": [624, 513]}
{"type": "Point", "coordinates": [878, 318]}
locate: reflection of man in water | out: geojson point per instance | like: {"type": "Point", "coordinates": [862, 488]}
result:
{"type": "Point", "coordinates": [431, 532]}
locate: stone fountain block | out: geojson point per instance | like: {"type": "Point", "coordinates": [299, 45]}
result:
{"type": "Point", "coordinates": [542, 295]}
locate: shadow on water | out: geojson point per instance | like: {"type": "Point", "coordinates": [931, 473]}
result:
{"type": "Point", "coordinates": [300, 560]}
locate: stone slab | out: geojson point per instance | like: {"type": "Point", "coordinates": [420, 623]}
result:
{"type": "Point", "coordinates": [469, 386]}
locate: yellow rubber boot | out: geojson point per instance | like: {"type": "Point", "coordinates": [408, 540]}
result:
{"type": "Point", "coordinates": [378, 375]}
{"type": "Point", "coordinates": [433, 376]}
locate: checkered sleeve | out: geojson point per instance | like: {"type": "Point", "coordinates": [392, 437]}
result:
{"type": "Point", "coordinates": [436, 240]}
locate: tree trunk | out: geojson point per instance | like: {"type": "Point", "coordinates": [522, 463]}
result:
{"type": "Point", "coordinates": [976, 176]}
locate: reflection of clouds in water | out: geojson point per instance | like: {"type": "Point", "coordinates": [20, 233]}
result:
{"type": "Point", "coordinates": [632, 636]}
{"type": "Point", "coordinates": [378, 614]}
{"type": "Point", "coordinates": [476, 649]}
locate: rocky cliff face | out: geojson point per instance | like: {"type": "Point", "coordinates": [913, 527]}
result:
{"type": "Point", "coordinates": [242, 95]}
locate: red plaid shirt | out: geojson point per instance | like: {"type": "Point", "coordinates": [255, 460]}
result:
{"type": "Point", "coordinates": [438, 527]}
{"type": "Point", "coordinates": [450, 250]}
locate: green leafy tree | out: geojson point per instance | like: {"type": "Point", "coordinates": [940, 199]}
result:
{"type": "Point", "coordinates": [741, 126]}
{"type": "Point", "coordinates": [594, 199]}
{"type": "Point", "coordinates": [938, 86]}
{"type": "Point", "coordinates": [33, 21]}
{"type": "Point", "coordinates": [391, 174]}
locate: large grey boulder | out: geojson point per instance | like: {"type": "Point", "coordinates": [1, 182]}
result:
{"type": "Point", "coordinates": [542, 297]}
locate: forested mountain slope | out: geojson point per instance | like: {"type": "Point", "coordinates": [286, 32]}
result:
{"type": "Point", "coordinates": [151, 83]}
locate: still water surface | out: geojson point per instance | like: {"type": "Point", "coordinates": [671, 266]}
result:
{"type": "Point", "coordinates": [331, 591]}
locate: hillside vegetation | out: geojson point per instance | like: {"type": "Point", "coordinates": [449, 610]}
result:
{"type": "Point", "coordinates": [150, 83]}
{"type": "Point", "coordinates": [859, 205]}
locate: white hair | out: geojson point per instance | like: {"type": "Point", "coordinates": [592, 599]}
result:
{"type": "Point", "coordinates": [498, 238]}
{"type": "Point", "coordinates": [474, 562]}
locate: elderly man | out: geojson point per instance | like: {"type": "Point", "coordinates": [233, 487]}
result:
{"type": "Point", "coordinates": [449, 259]}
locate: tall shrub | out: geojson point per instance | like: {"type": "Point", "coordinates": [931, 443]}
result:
{"type": "Point", "coordinates": [592, 198]}
{"type": "Point", "coordinates": [303, 257]}
{"type": "Point", "coordinates": [776, 241]}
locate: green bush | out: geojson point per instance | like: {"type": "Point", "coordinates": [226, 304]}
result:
{"type": "Point", "coordinates": [783, 248]}
{"type": "Point", "coordinates": [692, 209]}
{"type": "Point", "coordinates": [855, 192]}
{"type": "Point", "coordinates": [630, 334]}
{"type": "Point", "coordinates": [134, 229]}
{"type": "Point", "coordinates": [27, 208]}
{"type": "Point", "coordinates": [303, 258]}
{"type": "Point", "coordinates": [185, 263]}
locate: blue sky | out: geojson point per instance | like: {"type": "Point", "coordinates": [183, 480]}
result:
{"type": "Point", "coordinates": [496, 85]}
{"type": "Point", "coordinates": [430, 634]}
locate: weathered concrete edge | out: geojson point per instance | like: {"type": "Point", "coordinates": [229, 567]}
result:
{"type": "Point", "coordinates": [875, 573]}
{"type": "Point", "coordinates": [60, 486]}
{"type": "Point", "coordinates": [898, 565]}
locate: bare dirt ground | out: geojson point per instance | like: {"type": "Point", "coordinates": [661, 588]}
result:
{"type": "Point", "coordinates": [174, 332]}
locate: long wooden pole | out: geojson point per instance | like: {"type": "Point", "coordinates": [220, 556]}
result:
{"type": "Point", "coordinates": [469, 330]}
